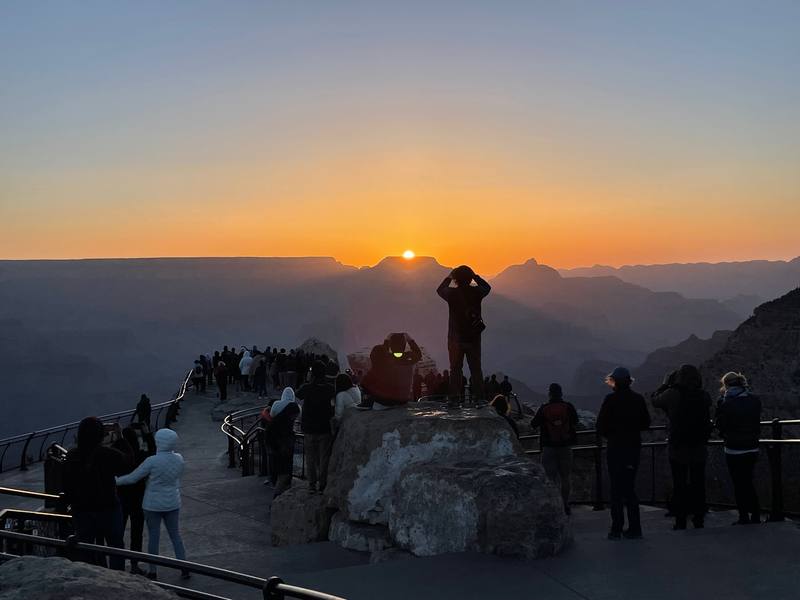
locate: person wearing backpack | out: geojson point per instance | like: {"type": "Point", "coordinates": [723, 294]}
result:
{"type": "Point", "coordinates": [465, 326]}
{"type": "Point", "coordinates": [688, 409]}
{"type": "Point", "coordinates": [622, 418]}
{"type": "Point", "coordinates": [558, 423]}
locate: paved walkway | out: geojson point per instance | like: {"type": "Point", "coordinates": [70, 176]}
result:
{"type": "Point", "coordinates": [225, 522]}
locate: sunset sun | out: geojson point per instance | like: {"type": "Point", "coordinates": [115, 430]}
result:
{"type": "Point", "coordinates": [408, 254]}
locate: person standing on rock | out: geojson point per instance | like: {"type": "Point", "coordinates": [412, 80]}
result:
{"type": "Point", "coordinates": [315, 422]}
{"type": "Point", "coordinates": [688, 409]}
{"type": "Point", "coordinates": [739, 424]}
{"type": "Point", "coordinates": [465, 326]}
{"type": "Point", "coordinates": [162, 494]}
{"type": "Point", "coordinates": [558, 422]}
{"type": "Point", "coordinates": [622, 418]}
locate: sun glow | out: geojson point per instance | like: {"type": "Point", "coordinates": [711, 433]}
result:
{"type": "Point", "coordinates": [408, 254]}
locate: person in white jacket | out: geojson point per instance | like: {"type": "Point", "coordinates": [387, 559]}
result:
{"type": "Point", "coordinates": [162, 494]}
{"type": "Point", "coordinates": [347, 395]}
{"type": "Point", "coordinates": [244, 369]}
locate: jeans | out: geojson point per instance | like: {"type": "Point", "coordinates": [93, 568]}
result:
{"type": "Point", "coordinates": [689, 491]}
{"type": "Point", "coordinates": [318, 452]}
{"type": "Point", "coordinates": [741, 467]}
{"type": "Point", "coordinates": [103, 528]}
{"type": "Point", "coordinates": [622, 466]}
{"type": "Point", "coordinates": [557, 463]}
{"type": "Point", "coordinates": [457, 351]}
{"type": "Point", "coordinates": [170, 518]}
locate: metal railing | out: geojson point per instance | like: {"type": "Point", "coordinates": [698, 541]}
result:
{"type": "Point", "coordinates": [16, 543]}
{"type": "Point", "coordinates": [656, 475]}
{"type": "Point", "coordinates": [249, 444]}
{"type": "Point", "coordinates": [19, 451]}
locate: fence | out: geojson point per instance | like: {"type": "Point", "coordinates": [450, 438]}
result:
{"type": "Point", "coordinates": [777, 479]}
{"type": "Point", "coordinates": [17, 452]}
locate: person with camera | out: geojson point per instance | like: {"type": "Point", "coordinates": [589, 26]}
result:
{"type": "Point", "coordinates": [389, 381]}
{"type": "Point", "coordinates": [688, 409]}
{"type": "Point", "coordinates": [465, 326]}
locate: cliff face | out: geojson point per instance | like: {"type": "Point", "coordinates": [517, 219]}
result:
{"type": "Point", "coordinates": [766, 348]}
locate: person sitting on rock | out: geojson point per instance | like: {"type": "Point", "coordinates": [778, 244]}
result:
{"type": "Point", "coordinates": [347, 396]}
{"type": "Point", "coordinates": [500, 404]}
{"type": "Point", "coordinates": [389, 379]}
{"type": "Point", "coordinates": [558, 422]}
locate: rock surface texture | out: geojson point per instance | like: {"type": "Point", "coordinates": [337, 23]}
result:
{"type": "Point", "coordinates": [299, 517]}
{"type": "Point", "coordinates": [429, 481]}
{"type": "Point", "coordinates": [32, 577]}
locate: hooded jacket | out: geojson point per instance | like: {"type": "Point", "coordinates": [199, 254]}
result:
{"type": "Point", "coordinates": [163, 471]}
{"type": "Point", "coordinates": [346, 399]}
{"type": "Point", "coordinates": [244, 364]}
{"type": "Point", "coordinates": [739, 420]}
{"type": "Point", "coordinates": [286, 397]}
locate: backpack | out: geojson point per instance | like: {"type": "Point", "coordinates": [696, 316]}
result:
{"type": "Point", "coordinates": [557, 423]}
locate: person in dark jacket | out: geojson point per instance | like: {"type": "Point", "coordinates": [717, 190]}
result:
{"type": "Point", "coordinates": [281, 437]}
{"type": "Point", "coordinates": [464, 328]}
{"type": "Point", "coordinates": [622, 418]}
{"type": "Point", "coordinates": [143, 410]}
{"type": "Point", "coordinates": [90, 488]}
{"type": "Point", "coordinates": [315, 422]}
{"type": "Point", "coordinates": [131, 496]}
{"type": "Point", "coordinates": [389, 381]}
{"type": "Point", "coordinates": [558, 422]}
{"type": "Point", "coordinates": [221, 374]}
{"type": "Point", "coordinates": [739, 424]}
{"type": "Point", "coordinates": [688, 409]}
{"type": "Point", "coordinates": [500, 404]}
{"type": "Point", "coordinates": [505, 387]}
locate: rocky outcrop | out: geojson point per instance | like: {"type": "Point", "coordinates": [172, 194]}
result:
{"type": "Point", "coordinates": [56, 578]}
{"type": "Point", "coordinates": [299, 517]}
{"type": "Point", "coordinates": [502, 506]}
{"type": "Point", "coordinates": [426, 481]}
{"type": "Point", "coordinates": [318, 347]}
{"type": "Point", "coordinates": [374, 448]}
{"type": "Point", "coordinates": [766, 348]}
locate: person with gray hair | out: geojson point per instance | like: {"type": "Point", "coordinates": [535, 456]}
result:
{"type": "Point", "coordinates": [739, 424]}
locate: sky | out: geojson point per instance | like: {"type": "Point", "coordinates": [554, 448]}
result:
{"type": "Point", "coordinates": [480, 132]}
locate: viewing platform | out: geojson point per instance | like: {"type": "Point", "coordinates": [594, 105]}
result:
{"type": "Point", "coordinates": [225, 522]}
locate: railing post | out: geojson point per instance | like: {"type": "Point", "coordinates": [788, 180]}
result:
{"type": "Point", "coordinates": [244, 459]}
{"type": "Point", "coordinates": [231, 453]}
{"type": "Point", "coordinates": [774, 453]}
{"type": "Point", "coordinates": [271, 591]}
{"type": "Point", "coordinates": [598, 473]}
{"type": "Point", "coordinates": [23, 461]}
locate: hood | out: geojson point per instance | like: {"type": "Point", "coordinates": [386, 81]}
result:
{"type": "Point", "coordinates": [688, 376]}
{"type": "Point", "coordinates": [735, 392]}
{"type": "Point", "coordinates": [90, 433]}
{"type": "Point", "coordinates": [166, 440]}
{"type": "Point", "coordinates": [246, 355]}
{"type": "Point", "coordinates": [287, 397]}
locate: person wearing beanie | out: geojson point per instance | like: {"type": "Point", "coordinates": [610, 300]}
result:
{"type": "Point", "coordinates": [622, 418]}
{"type": "Point", "coordinates": [558, 424]}
{"type": "Point", "coordinates": [90, 491]}
{"type": "Point", "coordinates": [162, 494]}
{"type": "Point", "coordinates": [315, 421]}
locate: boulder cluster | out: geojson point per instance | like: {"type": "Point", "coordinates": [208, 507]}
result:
{"type": "Point", "coordinates": [421, 480]}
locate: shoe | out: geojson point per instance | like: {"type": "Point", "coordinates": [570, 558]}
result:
{"type": "Point", "coordinates": [632, 535]}
{"type": "Point", "coordinates": [186, 575]}
{"type": "Point", "coordinates": [614, 535]}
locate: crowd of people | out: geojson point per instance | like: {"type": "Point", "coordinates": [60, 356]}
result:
{"type": "Point", "coordinates": [114, 477]}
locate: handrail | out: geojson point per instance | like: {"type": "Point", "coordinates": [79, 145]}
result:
{"type": "Point", "coordinates": [25, 439]}
{"type": "Point", "coordinates": [28, 494]}
{"type": "Point", "coordinates": [273, 588]}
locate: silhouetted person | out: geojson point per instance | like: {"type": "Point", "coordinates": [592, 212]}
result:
{"type": "Point", "coordinates": [131, 497]}
{"type": "Point", "coordinates": [90, 490]}
{"type": "Point", "coordinates": [281, 438]}
{"type": "Point", "coordinates": [162, 494]}
{"type": "Point", "coordinates": [558, 423]}
{"type": "Point", "coordinates": [505, 387]}
{"type": "Point", "coordinates": [688, 409]}
{"type": "Point", "coordinates": [315, 422]}
{"type": "Point", "coordinates": [500, 404]}
{"type": "Point", "coordinates": [465, 326]}
{"type": "Point", "coordinates": [622, 418]}
{"type": "Point", "coordinates": [221, 373]}
{"type": "Point", "coordinates": [390, 377]}
{"type": "Point", "coordinates": [739, 424]}
{"type": "Point", "coordinates": [143, 410]}
{"type": "Point", "coordinates": [493, 387]}
{"type": "Point", "coordinates": [198, 377]}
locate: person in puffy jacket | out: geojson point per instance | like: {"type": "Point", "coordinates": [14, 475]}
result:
{"type": "Point", "coordinates": [739, 424]}
{"type": "Point", "coordinates": [162, 495]}
{"type": "Point", "coordinates": [347, 395]}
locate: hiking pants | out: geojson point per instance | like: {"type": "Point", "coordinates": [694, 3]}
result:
{"type": "Point", "coordinates": [170, 518]}
{"type": "Point", "coordinates": [557, 463]}
{"type": "Point", "coordinates": [318, 451]}
{"type": "Point", "coordinates": [457, 351]}
{"type": "Point", "coordinates": [741, 467]}
{"type": "Point", "coordinates": [623, 464]}
{"type": "Point", "coordinates": [689, 490]}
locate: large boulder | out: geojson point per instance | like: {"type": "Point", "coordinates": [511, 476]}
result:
{"type": "Point", "coordinates": [358, 536]}
{"type": "Point", "coordinates": [299, 516]}
{"type": "Point", "coordinates": [57, 578]}
{"type": "Point", "coordinates": [503, 506]}
{"type": "Point", "coordinates": [315, 346]}
{"type": "Point", "coordinates": [373, 449]}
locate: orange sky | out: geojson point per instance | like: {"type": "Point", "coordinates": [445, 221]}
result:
{"type": "Point", "coordinates": [481, 136]}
